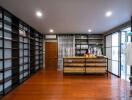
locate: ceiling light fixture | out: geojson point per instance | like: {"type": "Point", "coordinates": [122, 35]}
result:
{"type": "Point", "coordinates": [89, 30]}
{"type": "Point", "coordinates": [39, 14]}
{"type": "Point", "coordinates": [51, 30]}
{"type": "Point", "coordinates": [108, 14]}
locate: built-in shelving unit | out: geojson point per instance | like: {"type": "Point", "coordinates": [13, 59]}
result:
{"type": "Point", "coordinates": [88, 43]}
{"type": "Point", "coordinates": [21, 51]}
{"type": "Point", "coordinates": [81, 44]}
{"type": "Point", "coordinates": [38, 51]}
{"type": "Point", "coordinates": [24, 61]}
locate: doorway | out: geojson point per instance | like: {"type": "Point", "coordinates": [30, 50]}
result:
{"type": "Point", "coordinates": [51, 55]}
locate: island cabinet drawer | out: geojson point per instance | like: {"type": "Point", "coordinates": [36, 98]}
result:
{"type": "Point", "coordinates": [96, 60]}
{"type": "Point", "coordinates": [90, 64]}
{"type": "Point", "coordinates": [74, 60]}
{"type": "Point", "coordinates": [96, 64]}
{"type": "Point", "coordinates": [74, 64]}
{"type": "Point", "coordinates": [95, 70]}
{"type": "Point", "coordinates": [74, 69]}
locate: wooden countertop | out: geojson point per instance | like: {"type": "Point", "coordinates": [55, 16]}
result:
{"type": "Point", "coordinates": [75, 57]}
{"type": "Point", "coordinates": [79, 57]}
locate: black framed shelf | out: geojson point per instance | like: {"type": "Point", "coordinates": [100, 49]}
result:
{"type": "Point", "coordinates": [17, 51]}
{"type": "Point", "coordinates": [87, 42]}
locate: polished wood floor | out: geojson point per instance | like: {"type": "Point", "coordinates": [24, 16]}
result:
{"type": "Point", "coordinates": [52, 85]}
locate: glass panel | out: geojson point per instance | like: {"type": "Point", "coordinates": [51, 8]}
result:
{"type": "Point", "coordinates": [20, 68]}
{"type": "Point", "coordinates": [21, 76]}
{"type": "Point", "coordinates": [110, 65]}
{"type": "Point", "coordinates": [8, 84]}
{"type": "Point", "coordinates": [25, 46]}
{"type": "Point", "coordinates": [37, 62]}
{"type": "Point", "coordinates": [1, 65]}
{"type": "Point", "coordinates": [0, 14]}
{"type": "Point", "coordinates": [21, 61]}
{"type": "Point", "coordinates": [123, 37]}
{"type": "Point", "coordinates": [125, 70]}
{"type": "Point", "coordinates": [115, 39]}
{"type": "Point", "coordinates": [1, 54]}
{"type": "Point", "coordinates": [7, 27]}
{"type": "Point", "coordinates": [7, 53]}
{"type": "Point", "coordinates": [37, 57]}
{"type": "Point", "coordinates": [109, 53]}
{"type": "Point", "coordinates": [25, 52]}
{"type": "Point", "coordinates": [1, 34]}
{"type": "Point", "coordinates": [25, 74]}
{"type": "Point", "coordinates": [37, 52]}
{"type": "Point", "coordinates": [7, 74]}
{"type": "Point", "coordinates": [21, 45]}
{"type": "Point", "coordinates": [21, 39]}
{"type": "Point", "coordinates": [21, 53]}
{"type": "Point", "coordinates": [7, 63]}
{"type": "Point", "coordinates": [1, 76]}
{"type": "Point", "coordinates": [25, 59]}
{"type": "Point", "coordinates": [1, 88]}
{"type": "Point", "coordinates": [0, 25]}
{"type": "Point", "coordinates": [115, 67]}
{"type": "Point", "coordinates": [115, 53]}
{"type": "Point", "coordinates": [26, 66]}
{"type": "Point", "coordinates": [1, 42]}
{"type": "Point", "coordinates": [7, 44]}
{"type": "Point", "coordinates": [7, 35]}
{"type": "Point", "coordinates": [109, 41]}
{"type": "Point", "coordinates": [7, 19]}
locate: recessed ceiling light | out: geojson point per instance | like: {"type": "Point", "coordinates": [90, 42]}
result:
{"type": "Point", "coordinates": [51, 30]}
{"type": "Point", "coordinates": [108, 14]}
{"type": "Point", "coordinates": [39, 14]}
{"type": "Point", "coordinates": [89, 30]}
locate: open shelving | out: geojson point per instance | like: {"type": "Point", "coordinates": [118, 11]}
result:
{"type": "Point", "coordinates": [88, 43]}
{"type": "Point", "coordinates": [17, 51]}
{"type": "Point", "coordinates": [24, 56]}
{"type": "Point", "coordinates": [81, 44]}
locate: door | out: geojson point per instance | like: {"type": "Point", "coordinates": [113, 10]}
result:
{"type": "Point", "coordinates": [115, 54]}
{"type": "Point", "coordinates": [51, 55]}
{"type": "Point", "coordinates": [125, 39]}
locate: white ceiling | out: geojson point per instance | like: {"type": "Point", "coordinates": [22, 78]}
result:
{"type": "Point", "coordinates": [71, 16]}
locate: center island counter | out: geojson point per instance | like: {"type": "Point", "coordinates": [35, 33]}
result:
{"type": "Point", "coordinates": [85, 65]}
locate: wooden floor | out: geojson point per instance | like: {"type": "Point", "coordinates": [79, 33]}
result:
{"type": "Point", "coordinates": [52, 85]}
